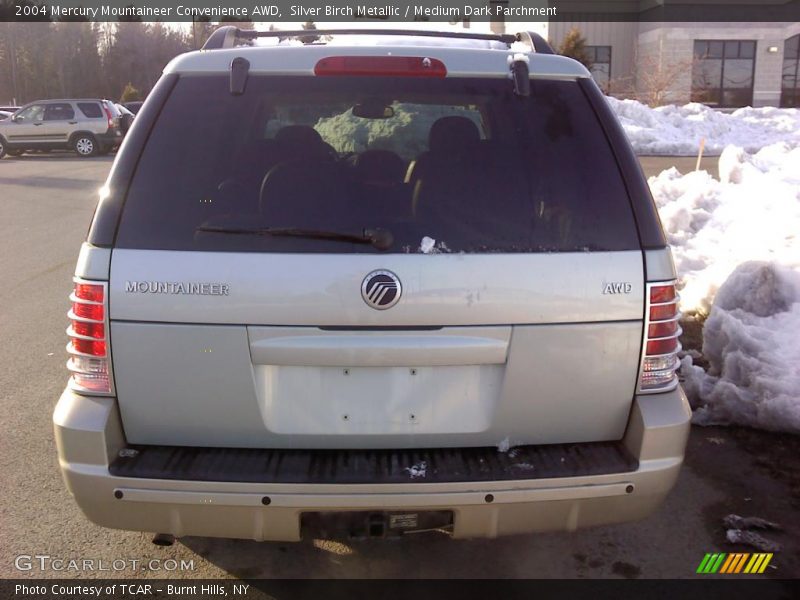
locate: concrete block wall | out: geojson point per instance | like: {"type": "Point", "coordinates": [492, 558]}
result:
{"type": "Point", "coordinates": [670, 52]}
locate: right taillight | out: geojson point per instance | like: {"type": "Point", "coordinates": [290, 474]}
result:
{"type": "Point", "coordinates": [88, 333]}
{"type": "Point", "coordinates": [661, 345]}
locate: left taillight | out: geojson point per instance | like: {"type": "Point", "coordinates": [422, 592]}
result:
{"type": "Point", "coordinates": [661, 346]}
{"type": "Point", "coordinates": [89, 361]}
{"type": "Point", "coordinates": [109, 115]}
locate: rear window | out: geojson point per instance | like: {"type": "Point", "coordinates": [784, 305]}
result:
{"type": "Point", "coordinates": [462, 162]}
{"type": "Point", "coordinates": [91, 110]}
{"type": "Point", "coordinates": [58, 112]}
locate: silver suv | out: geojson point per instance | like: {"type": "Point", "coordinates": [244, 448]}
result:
{"type": "Point", "coordinates": [89, 127]}
{"type": "Point", "coordinates": [380, 285]}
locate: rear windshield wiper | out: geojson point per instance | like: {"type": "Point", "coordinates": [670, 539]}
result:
{"type": "Point", "coordinates": [379, 238]}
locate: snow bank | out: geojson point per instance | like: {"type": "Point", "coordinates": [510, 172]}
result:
{"type": "Point", "coordinates": [736, 244]}
{"type": "Point", "coordinates": [713, 226]}
{"type": "Point", "coordinates": [677, 130]}
{"type": "Point", "coordinates": [751, 340]}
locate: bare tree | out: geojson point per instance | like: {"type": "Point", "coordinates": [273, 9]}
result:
{"type": "Point", "coordinates": [655, 79]}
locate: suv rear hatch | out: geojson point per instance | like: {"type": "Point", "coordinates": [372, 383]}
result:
{"type": "Point", "coordinates": [242, 309]}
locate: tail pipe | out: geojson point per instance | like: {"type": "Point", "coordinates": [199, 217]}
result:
{"type": "Point", "coordinates": [163, 539]}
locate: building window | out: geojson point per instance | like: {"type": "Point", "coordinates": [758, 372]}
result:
{"type": "Point", "coordinates": [790, 84]}
{"type": "Point", "coordinates": [722, 74]}
{"type": "Point", "coordinates": [600, 57]}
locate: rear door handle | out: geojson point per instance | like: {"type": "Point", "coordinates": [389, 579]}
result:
{"type": "Point", "coordinates": [451, 347]}
{"type": "Point", "coordinates": [73, 122]}
{"type": "Point", "coordinates": [37, 124]}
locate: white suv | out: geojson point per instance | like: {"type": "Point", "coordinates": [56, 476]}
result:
{"type": "Point", "coordinates": [385, 284]}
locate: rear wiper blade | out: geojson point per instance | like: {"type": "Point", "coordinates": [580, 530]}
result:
{"type": "Point", "coordinates": [379, 238]}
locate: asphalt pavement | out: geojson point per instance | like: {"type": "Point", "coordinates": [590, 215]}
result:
{"type": "Point", "coordinates": [46, 203]}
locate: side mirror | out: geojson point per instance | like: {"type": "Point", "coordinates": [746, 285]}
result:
{"type": "Point", "coordinates": [17, 119]}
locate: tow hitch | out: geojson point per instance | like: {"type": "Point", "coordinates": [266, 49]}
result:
{"type": "Point", "coordinates": [372, 524]}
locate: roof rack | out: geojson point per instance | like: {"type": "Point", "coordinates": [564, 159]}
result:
{"type": "Point", "coordinates": [227, 36]}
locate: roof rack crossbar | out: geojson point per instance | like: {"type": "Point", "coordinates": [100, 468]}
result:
{"type": "Point", "coordinates": [225, 37]}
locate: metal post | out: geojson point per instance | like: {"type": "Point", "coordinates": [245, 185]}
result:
{"type": "Point", "coordinates": [497, 23]}
{"type": "Point", "coordinates": [13, 52]}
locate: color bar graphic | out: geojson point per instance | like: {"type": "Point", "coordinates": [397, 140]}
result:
{"type": "Point", "coordinates": [734, 563]}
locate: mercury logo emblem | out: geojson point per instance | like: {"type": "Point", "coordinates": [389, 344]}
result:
{"type": "Point", "coordinates": [381, 289]}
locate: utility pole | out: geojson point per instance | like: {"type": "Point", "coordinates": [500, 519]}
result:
{"type": "Point", "coordinates": [13, 53]}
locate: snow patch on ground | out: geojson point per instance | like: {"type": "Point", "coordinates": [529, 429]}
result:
{"type": "Point", "coordinates": [677, 130]}
{"type": "Point", "coordinates": [713, 226]}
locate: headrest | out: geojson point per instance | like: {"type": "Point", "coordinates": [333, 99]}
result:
{"type": "Point", "coordinates": [380, 166]}
{"type": "Point", "coordinates": [298, 135]}
{"type": "Point", "coordinates": [452, 134]}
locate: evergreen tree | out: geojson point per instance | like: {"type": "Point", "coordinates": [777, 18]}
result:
{"type": "Point", "coordinates": [130, 94]}
{"type": "Point", "coordinates": [309, 39]}
{"type": "Point", "coordinates": [574, 46]}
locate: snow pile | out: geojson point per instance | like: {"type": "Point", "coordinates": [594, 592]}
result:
{"type": "Point", "coordinates": [429, 245]}
{"type": "Point", "coordinates": [713, 226]}
{"type": "Point", "coordinates": [736, 244]}
{"type": "Point", "coordinates": [418, 470]}
{"type": "Point", "coordinates": [677, 130]}
{"type": "Point", "coordinates": [752, 343]}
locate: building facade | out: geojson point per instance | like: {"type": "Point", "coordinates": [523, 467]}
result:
{"type": "Point", "coordinates": [724, 65]}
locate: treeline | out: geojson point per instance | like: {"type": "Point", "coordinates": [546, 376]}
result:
{"type": "Point", "coordinates": [80, 59]}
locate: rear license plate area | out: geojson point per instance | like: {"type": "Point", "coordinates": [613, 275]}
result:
{"type": "Point", "coordinates": [366, 524]}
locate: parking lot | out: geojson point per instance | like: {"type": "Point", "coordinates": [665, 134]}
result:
{"type": "Point", "coordinates": [46, 203]}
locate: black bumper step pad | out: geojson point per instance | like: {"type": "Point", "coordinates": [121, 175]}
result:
{"type": "Point", "coordinates": [440, 465]}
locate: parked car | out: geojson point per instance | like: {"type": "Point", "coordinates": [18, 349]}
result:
{"type": "Point", "coordinates": [133, 106]}
{"type": "Point", "coordinates": [380, 287]}
{"type": "Point", "coordinates": [125, 118]}
{"type": "Point", "coordinates": [11, 109]}
{"type": "Point", "coordinates": [4, 114]}
{"type": "Point", "coordinates": [88, 127]}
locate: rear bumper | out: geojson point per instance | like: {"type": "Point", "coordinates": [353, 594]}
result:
{"type": "Point", "coordinates": [110, 139]}
{"type": "Point", "coordinates": [89, 437]}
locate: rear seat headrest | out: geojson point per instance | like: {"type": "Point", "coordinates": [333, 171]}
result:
{"type": "Point", "coordinates": [302, 142]}
{"type": "Point", "coordinates": [298, 135]}
{"type": "Point", "coordinates": [452, 134]}
{"type": "Point", "coordinates": [379, 166]}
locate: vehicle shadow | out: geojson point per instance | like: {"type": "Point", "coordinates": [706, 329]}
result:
{"type": "Point", "coordinates": [59, 183]}
{"type": "Point", "coordinates": [60, 155]}
{"type": "Point", "coordinates": [423, 555]}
